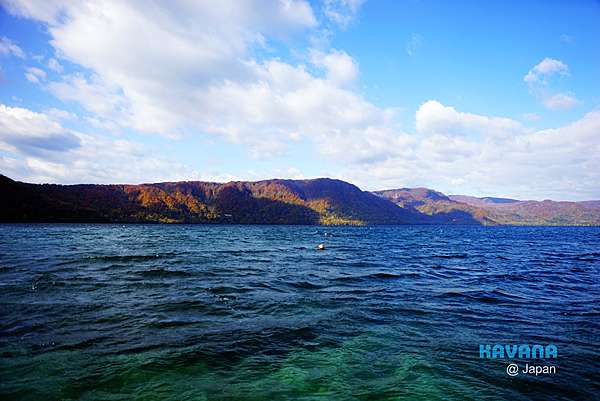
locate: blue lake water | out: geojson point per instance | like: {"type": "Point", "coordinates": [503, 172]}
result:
{"type": "Point", "coordinates": [161, 312]}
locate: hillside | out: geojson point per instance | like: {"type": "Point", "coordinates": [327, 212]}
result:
{"type": "Point", "coordinates": [438, 206]}
{"type": "Point", "coordinates": [318, 201]}
{"type": "Point", "coordinates": [491, 211]}
{"type": "Point", "coordinates": [481, 202]}
{"type": "Point", "coordinates": [545, 212]}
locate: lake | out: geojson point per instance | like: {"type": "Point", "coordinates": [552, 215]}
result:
{"type": "Point", "coordinates": [195, 312]}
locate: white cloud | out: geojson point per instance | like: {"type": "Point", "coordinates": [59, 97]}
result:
{"type": "Point", "coordinates": [560, 101]}
{"type": "Point", "coordinates": [48, 10]}
{"type": "Point", "coordinates": [44, 151]}
{"type": "Point", "coordinates": [340, 67]}
{"type": "Point", "coordinates": [190, 68]}
{"type": "Point", "coordinates": [546, 68]}
{"type": "Point", "coordinates": [342, 12]}
{"type": "Point", "coordinates": [7, 47]}
{"type": "Point", "coordinates": [101, 160]}
{"type": "Point", "coordinates": [414, 43]}
{"type": "Point", "coordinates": [31, 133]}
{"type": "Point", "coordinates": [458, 152]}
{"type": "Point", "coordinates": [187, 68]}
{"type": "Point", "coordinates": [435, 118]}
{"type": "Point", "coordinates": [58, 114]}
{"type": "Point", "coordinates": [93, 94]}
{"type": "Point", "coordinates": [539, 80]}
{"type": "Point", "coordinates": [34, 74]}
{"type": "Point", "coordinates": [54, 65]}
{"type": "Point", "coordinates": [532, 117]}
{"type": "Point", "coordinates": [288, 101]}
{"type": "Point", "coordinates": [152, 66]}
{"type": "Point", "coordinates": [566, 38]}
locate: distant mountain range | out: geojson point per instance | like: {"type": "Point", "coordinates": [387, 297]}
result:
{"type": "Point", "coordinates": [492, 211]}
{"type": "Point", "coordinates": [317, 201]}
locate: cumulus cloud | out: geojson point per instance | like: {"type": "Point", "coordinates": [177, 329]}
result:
{"type": "Point", "coordinates": [99, 160]}
{"type": "Point", "coordinates": [288, 101]}
{"type": "Point", "coordinates": [92, 93]}
{"type": "Point", "coordinates": [539, 80]}
{"type": "Point", "coordinates": [545, 68]}
{"type": "Point", "coordinates": [459, 152]}
{"type": "Point", "coordinates": [193, 68]}
{"type": "Point", "coordinates": [340, 67]}
{"type": "Point", "coordinates": [185, 68]}
{"type": "Point", "coordinates": [7, 47]}
{"type": "Point", "coordinates": [42, 150]}
{"type": "Point", "coordinates": [435, 118]}
{"type": "Point", "coordinates": [31, 133]}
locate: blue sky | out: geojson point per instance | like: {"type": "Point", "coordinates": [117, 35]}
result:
{"type": "Point", "coordinates": [480, 98]}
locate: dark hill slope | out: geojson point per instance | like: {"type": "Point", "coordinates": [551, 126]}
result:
{"type": "Point", "coordinates": [318, 201]}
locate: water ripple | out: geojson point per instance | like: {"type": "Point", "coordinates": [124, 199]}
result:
{"type": "Point", "coordinates": [256, 312]}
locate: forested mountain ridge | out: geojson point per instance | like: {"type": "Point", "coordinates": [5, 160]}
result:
{"type": "Point", "coordinates": [278, 201]}
{"type": "Point", "coordinates": [317, 201]}
{"type": "Point", "coordinates": [497, 211]}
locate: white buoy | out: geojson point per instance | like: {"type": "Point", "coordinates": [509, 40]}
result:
{"type": "Point", "coordinates": [321, 247]}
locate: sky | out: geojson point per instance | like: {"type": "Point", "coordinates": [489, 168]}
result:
{"type": "Point", "coordinates": [465, 97]}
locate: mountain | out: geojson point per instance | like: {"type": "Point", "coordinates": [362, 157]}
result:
{"type": "Point", "coordinates": [485, 201]}
{"type": "Point", "coordinates": [438, 206]}
{"type": "Point", "coordinates": [491, 211]}
{"type": "Point", "coordinates": [594, 204]}
{"type": "Point", "coordinates": [318, 201]}
{"type": "Point", "coordinates": [412, 196]}
{"type": "Point", "coordinates": [545, 212]}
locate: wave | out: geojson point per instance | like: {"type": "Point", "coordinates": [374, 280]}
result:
{"type": "Point", "coordinates": [485, 296]}
{"type": "Point", "coordinates": [452, 256]}
{"type": "Point", "coordinates": [131, 258]}
{"type": "Point", "coordinates": [305, 285]}
{"type": "Point", "coordinates": [379, 276]}
{"type": "Point", "coordinates": [164, 273]}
